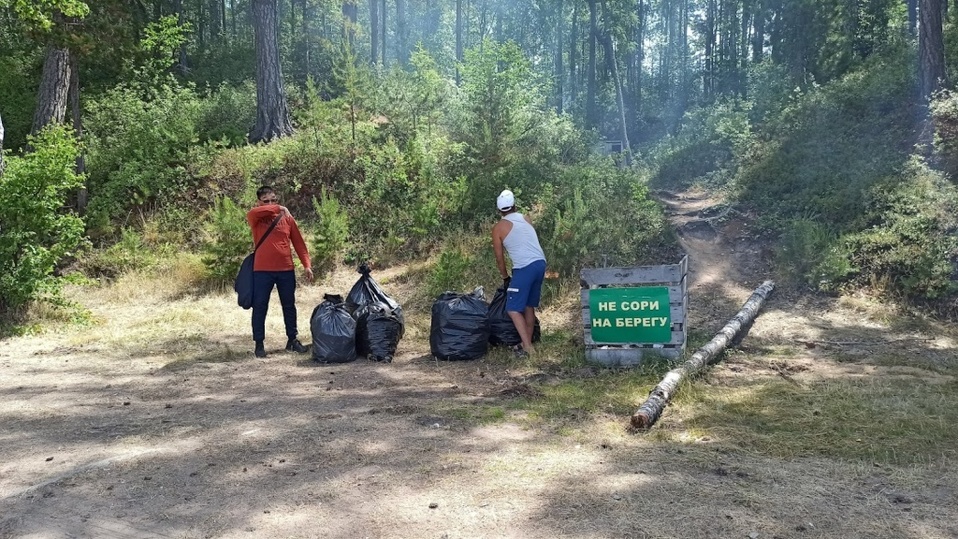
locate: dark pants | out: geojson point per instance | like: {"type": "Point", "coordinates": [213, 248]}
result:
{"type": "Point", "coordinates": [263, 282]}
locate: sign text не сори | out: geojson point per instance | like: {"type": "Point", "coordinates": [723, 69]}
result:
{"type": "Point", "coordinates": [630, 315]}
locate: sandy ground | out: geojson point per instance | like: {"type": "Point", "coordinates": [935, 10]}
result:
{"type": "Point", "coordinates": [190, 436]}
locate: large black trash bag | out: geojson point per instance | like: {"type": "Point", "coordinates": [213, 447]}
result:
{"type": "Point", "coordinates": [502, 330]}
{"type": "Point", "coordinates": [459, 328]}
{"type": "Point", "coordinates": [367, 291]}
{"type": "Point", "coordinates": [389, 324]}
{"type": "Point", "coordinates": [334, 331]}
{"type": "Point", "coordinates": [378, 330]}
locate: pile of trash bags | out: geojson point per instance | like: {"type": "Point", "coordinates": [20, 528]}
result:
{"type": "Point", "coordinates": [369, 323]}
{"type": "Point", "coordinates": [373, 330]}
{"type": "Point", "coordinates": [464, 326]}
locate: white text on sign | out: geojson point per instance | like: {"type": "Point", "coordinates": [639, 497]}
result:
{"type": "Point", "coordinates": [629, 306]}
{"type": "Point", "coordinates": [652, 322]}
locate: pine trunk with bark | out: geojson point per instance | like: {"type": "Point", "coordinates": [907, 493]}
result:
{"type": "Point", "coordinates": [931, 48]}
{"type": "Point", "coordinates": [591, 88]}
{"type": "Point", "coordinates": [272, 112]}
{"type": "Point", "coordinates": [459, 43]}
{"type": "Point", "coordinates": [373, 31]}
{"type": "Point", "coordinates": [559, 70]}
{"type": "Point", "coordinates": [613, 67]}
{"type": "Point", "coordinates": [650, 411]}
{"type": "Point", "coordinates": [402, 52]}
{"type": "Point", "coordinates": [54, 89]}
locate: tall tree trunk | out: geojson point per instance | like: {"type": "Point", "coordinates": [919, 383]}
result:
{"type": "Point", "coordinates": [232, 19]}
{"type": "Point", "coordinates": [272, 112]}
{"type": "Point", "coordinates": [458, 41]}
{"type": "Point", "coordinates": [306, 43]}
{"type": "Point", "coordinates": [215, 19]}
{"type": "Point", "coordinates": [74, 99]}
{"type": "Point", "coordinates": [382, 24]}
{"type": "Point", "coordinates": [743, 49]}
{"type": "Point", "coordinates": [54, 87]}
{"type": "Point", "coordinates": [758, 32]}
{"type": "Point", "coordinates": [559, 70]}
{"type": "Point", "coordinates": [708, 85]}
{"type": "Point", "coordinates": [373, 31]}
{"type": "Point", "coordinates": [181, 65]}
{"type": "Point", "coordinates": [402, 52]}
{"type": "Point", "coordinates": [614, 69]}
{"type": "Point", "coordinates": [590, 99]}
{"type": "Point", "coordinates": [639, 59]}
{"type": "Point", "coordinates": [350, 18]}
{"type": "Point", "coordinates": [574, 53]}
{"type": "Point", "coordinates": [931, 49]}
{"type": "Point", "coordinates": [200, 29]}
{"type": "Point", "coordinates": [223, 17]}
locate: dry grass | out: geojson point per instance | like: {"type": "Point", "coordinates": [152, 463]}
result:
{"type": "Point", "coordinates": [767, 442]}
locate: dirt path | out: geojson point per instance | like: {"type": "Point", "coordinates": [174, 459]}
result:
{"type": "Point", "coordinates": [158, 422]}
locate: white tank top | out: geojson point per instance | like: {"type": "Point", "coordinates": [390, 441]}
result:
{"type": "Point", "coordinates": [521, 242]}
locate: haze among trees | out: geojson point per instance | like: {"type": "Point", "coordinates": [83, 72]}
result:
{"type": "Point", "coordinates": [389, 125]}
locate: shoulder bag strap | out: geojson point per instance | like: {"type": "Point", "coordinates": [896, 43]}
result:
{"type": "Point", "coordinates": [270, 229]}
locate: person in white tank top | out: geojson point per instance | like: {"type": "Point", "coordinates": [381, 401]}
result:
{"type": "Point", "coordinates": [515, 234]}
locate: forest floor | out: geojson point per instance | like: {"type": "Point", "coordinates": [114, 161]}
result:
{"type": "Point", "coordinates": [157, 421]}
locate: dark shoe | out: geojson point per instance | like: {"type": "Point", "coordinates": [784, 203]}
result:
{"type": "Point", "coordinates": [260, 350]}
{"type": "Point", "coordinates": [519, 352]}
{"type": "Point", "coordinates": [293, 345]}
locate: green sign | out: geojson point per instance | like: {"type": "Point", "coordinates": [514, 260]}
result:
{"type": "Point", "coordinates": [630, 315]}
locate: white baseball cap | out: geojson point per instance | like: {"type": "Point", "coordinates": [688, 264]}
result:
{"type": "Point", "coordinates": [505, 200]}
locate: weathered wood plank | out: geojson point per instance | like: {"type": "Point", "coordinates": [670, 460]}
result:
{"type": "Point", "coordinates": [639, 275]}
{"type": "Point", "coordinates": [678, 337]}
{"type": "Point", "coordinates": [677, 294]}
{"type": "Point", "coordinates": [623, 357]}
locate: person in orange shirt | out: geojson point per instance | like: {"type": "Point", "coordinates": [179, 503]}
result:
{"type": "Point", "coordinates": [273, 265]}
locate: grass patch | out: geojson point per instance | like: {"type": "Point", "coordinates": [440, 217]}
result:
{"type": "Point", "coordinates": [876, 419]}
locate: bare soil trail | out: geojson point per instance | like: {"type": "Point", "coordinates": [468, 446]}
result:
{"type": "Point", "coordinates": [157, 422]}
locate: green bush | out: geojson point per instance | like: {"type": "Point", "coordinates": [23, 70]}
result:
{"type": "Point", "coordinates": [129, 253]}
{"type": "Point", "coordinates": [330, 234]}
{"type": "Point", "coordinates": [810, 252]}
{"type": "Point", "coordinates": [465, 262]}
{"type": "Point", "coordinates": [18, 95]}
{"type": "Point", "coordinates": [227, 240]}
{"type": "Point", "coordinates": [829, 145]}
{"type": "Point", "coordinates": [709, 142]}
{"type": "Point", "coordinates": [909, 238]}
{"type": "Point", "coordinates": [598, 214]}
{"type": "Point", "coordinates": [138, 150]}
{"type": "Point", "coordinates": [228, 114]}
{"type": "Point", "coordinates": [449, 271]}
{"type": "Point", "coordinates": [37, 234]}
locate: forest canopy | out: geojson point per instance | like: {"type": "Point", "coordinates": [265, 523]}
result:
{"type": "Point", "coordinates": [389, 125]}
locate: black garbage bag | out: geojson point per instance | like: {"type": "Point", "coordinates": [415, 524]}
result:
{"type": "Point", "coordinates": [334, 331]}
{"type": "Point", "coordinates": [459, 329]}
{"type": "Point", "coordinates": [502, 330]}
{"type": "Point", "coordinates": [365, 293]}
{"type": "Point", "coordinates": [378, 330]}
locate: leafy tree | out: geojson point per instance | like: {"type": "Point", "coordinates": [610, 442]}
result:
{"type": "Point", "coordinates": [36, 233]}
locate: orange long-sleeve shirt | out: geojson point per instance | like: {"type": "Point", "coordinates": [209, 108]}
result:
{"type": "Point", "coordinates": [276, 253]}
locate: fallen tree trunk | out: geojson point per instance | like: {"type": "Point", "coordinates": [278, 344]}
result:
{"type": "Point", "coordinates": [652, 408]}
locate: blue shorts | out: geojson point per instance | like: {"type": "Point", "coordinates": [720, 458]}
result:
{"type": "Point", "coordinates": [525, 288]}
